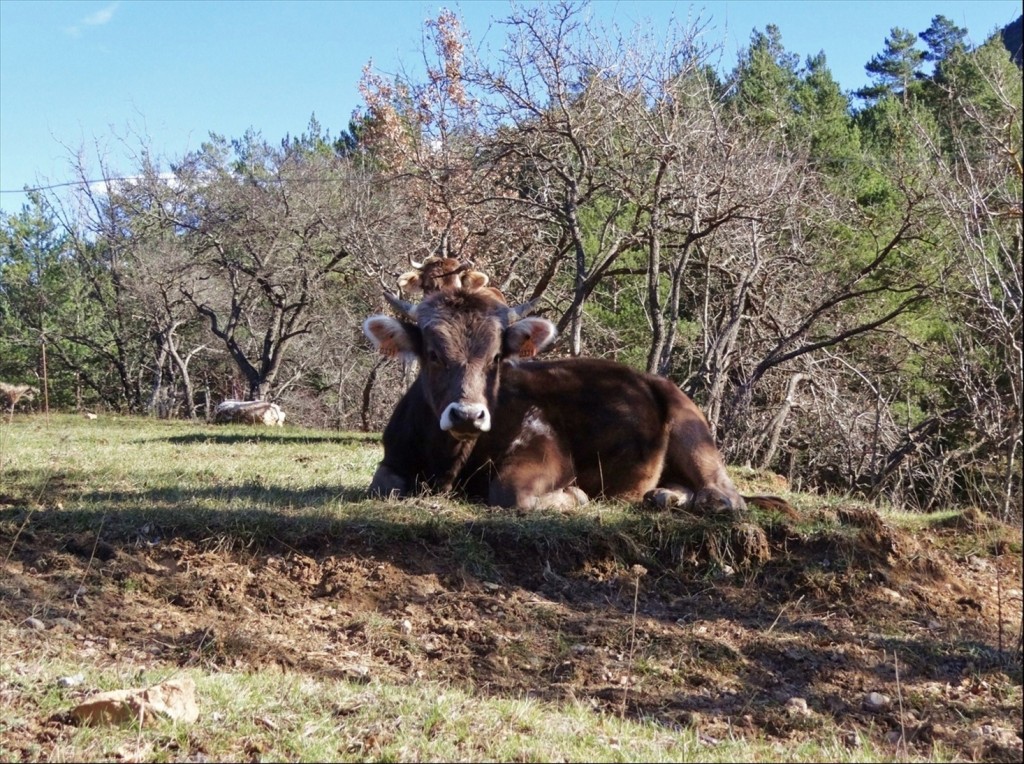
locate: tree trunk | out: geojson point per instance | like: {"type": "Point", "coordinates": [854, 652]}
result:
{"type": "Point", "coordinates": [775, 428]}
{"type": "Point", "coordinates": [163, 339]}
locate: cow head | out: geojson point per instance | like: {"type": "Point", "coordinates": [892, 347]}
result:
{"type": "Point", "coordinates": [436, 274]}
{"type": "Point", "coordinates": [461, 339]}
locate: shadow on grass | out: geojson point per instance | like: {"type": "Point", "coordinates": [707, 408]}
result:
{"type": "Point", "coordinates": [322, 520]}
{"type": "Point", "coordinates": [283, 437]}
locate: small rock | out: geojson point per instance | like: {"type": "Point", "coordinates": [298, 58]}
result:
{"type": "Point", "coordinates": [174, 699]}
{"type": "Point", "coordinates": [35, 623]}
{"type": "Point", "coordinates": [797, 707]}
{"type": "Point", "coordinates": [999, 741]}
{"type": "Point", "coordinates": [976, 563]}
{"type": "Point", "coordinates": [65, 624]}
{"type": "Point", "coordinates": [851, 739]}
{"type": "Point", "coordinates": [268, 723]}
{"type": "Point", "coordinates": [691, 719]}
{"type": "Point", "coordinates": [876, 702]}
{"type": "Point", "coordinates": [405, 626]}
{"type": "Point", "coordinates": [890, 594]}
{"type": "Point", "coordinates": [71, 681]}
{"type": "Point", "coordinates": [358, 673]}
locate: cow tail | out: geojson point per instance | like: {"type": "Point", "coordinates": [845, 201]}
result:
{"type": "Point", "coordinates": [774, 503]}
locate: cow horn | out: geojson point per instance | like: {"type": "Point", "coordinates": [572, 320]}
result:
{"type": "Point", "coordinates": [406, 309]}
{"type": "Point", "coordinates": [520, 311]}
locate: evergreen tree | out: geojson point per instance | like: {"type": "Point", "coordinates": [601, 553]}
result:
{"type": "Point", "coordinates": [30, 254]}
{"type": "Point", "coordinates": [766, 80]}
{"type": "Point", "coordinates": [822, 114]}
{"type": "Point", "coordinates": [943, 38]}
{"type": "Point", "coordinates": [895, 69]}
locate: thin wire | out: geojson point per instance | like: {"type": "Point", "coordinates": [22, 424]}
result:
{"type": "Point", "coordinates": [106, 181]}
{"type": "Point", "coordinates": [817, 162]}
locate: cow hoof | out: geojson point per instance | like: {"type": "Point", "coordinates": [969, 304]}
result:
{"type": "Point", "coordinates": [661, 499]}
{"type": "Point", "coordinates": [387, 484]}
{"type": "Point", "coordinates": [559, 501]}
{"type": "Point", "coordinates": [579, 497]}
{"type": "Point", "coordinates": [711, 501]}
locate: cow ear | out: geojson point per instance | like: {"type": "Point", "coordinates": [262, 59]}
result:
{"type": "Point", "coordinates": [529, 336]}
{"type": "Point", "coordinates": [474, 280]}
{"type": "Point", "coordinates": [391, 337]}
{"type": "Point", "coordinates": [409, 282]}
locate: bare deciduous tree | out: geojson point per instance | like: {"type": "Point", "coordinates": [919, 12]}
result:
{"type": "Point", "coordinates": [979, 187]}
{"type": "Point", "coordinates": [268, 235]}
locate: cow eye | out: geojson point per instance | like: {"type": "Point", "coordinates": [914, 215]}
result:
{"type": "Point", "coordinates": [433, 358]}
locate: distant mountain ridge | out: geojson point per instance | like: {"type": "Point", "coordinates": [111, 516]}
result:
{"type": "Point", "coordinates": [1011, 35]}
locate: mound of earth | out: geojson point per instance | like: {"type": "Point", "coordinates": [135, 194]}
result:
{"type": "Point", "coordinates": [759, 629]}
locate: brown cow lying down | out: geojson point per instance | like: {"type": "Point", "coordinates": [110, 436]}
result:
{"type": "Point", "coordinates": [248, 412]}
{"type": "Point", "coordinates": [483, 421]}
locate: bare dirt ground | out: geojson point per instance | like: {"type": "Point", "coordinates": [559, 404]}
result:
{"type": "Point", "coordinates": [780, 634]}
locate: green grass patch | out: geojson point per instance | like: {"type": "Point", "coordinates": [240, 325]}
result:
{"type": "Point", "coordinates": [274, 716]}
{"type": "Point", "coordinates": [538, 600]}
{"type": "Point", "coordinates": [133, 480]}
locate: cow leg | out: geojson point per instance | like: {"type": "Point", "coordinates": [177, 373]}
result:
{"type": "Point", "coordinates": [536, 472]}
{"type": "Point", "coordinates": [503, 495]}
{"type": "Point", "coordinates": [709, 500]}
{"type": "Point", "coordinates": [693, 460]}
{"type": "Point", "coordinates": [669, 496]}
{"type": "Point", "coordinates": [388, 484]}
{"type": "Point", "coordinates": [567, 498]}
{"type": "Point", "coordinates": [713, 499]}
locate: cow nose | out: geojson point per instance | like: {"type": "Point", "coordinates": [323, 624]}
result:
{"type": "Point", "coordinates": [466, 419]}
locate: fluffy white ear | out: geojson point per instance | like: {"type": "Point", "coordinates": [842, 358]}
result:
{"type": "Point", "coordinates": [389, 336]}
{"type": "Point", "coordinates": [409, 282]}
{"type": "Point", "coordinates": [528, 336]}
{"type": "Point", "coordinates": [474, 280]}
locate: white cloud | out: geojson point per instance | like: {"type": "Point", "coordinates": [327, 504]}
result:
{"type": "Point", "coordinates": [101, 187]}
{"type": "Point", "coordinates": [101, 16]}
{"type": "Point", "coordinates": [97, 19]}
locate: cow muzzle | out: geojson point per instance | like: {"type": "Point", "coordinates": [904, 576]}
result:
{"type": "Point", "coordinates": [465, 420]}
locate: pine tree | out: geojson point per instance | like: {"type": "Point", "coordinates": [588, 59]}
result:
{"type": "Point", "coordinates": [822, 113]}
{"type": "Point", "coordinates": [943, 38]}
{"type": "Point", "coordinates": [766, 79]}
{"type": "Point", "coordinates": [895, 69]}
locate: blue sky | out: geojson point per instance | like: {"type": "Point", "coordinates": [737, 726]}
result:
{"type": "Point", "coordinates": [77, 74]}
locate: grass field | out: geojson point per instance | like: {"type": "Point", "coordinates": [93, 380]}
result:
{"type": "Point", "coordinates": [319, 625]}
